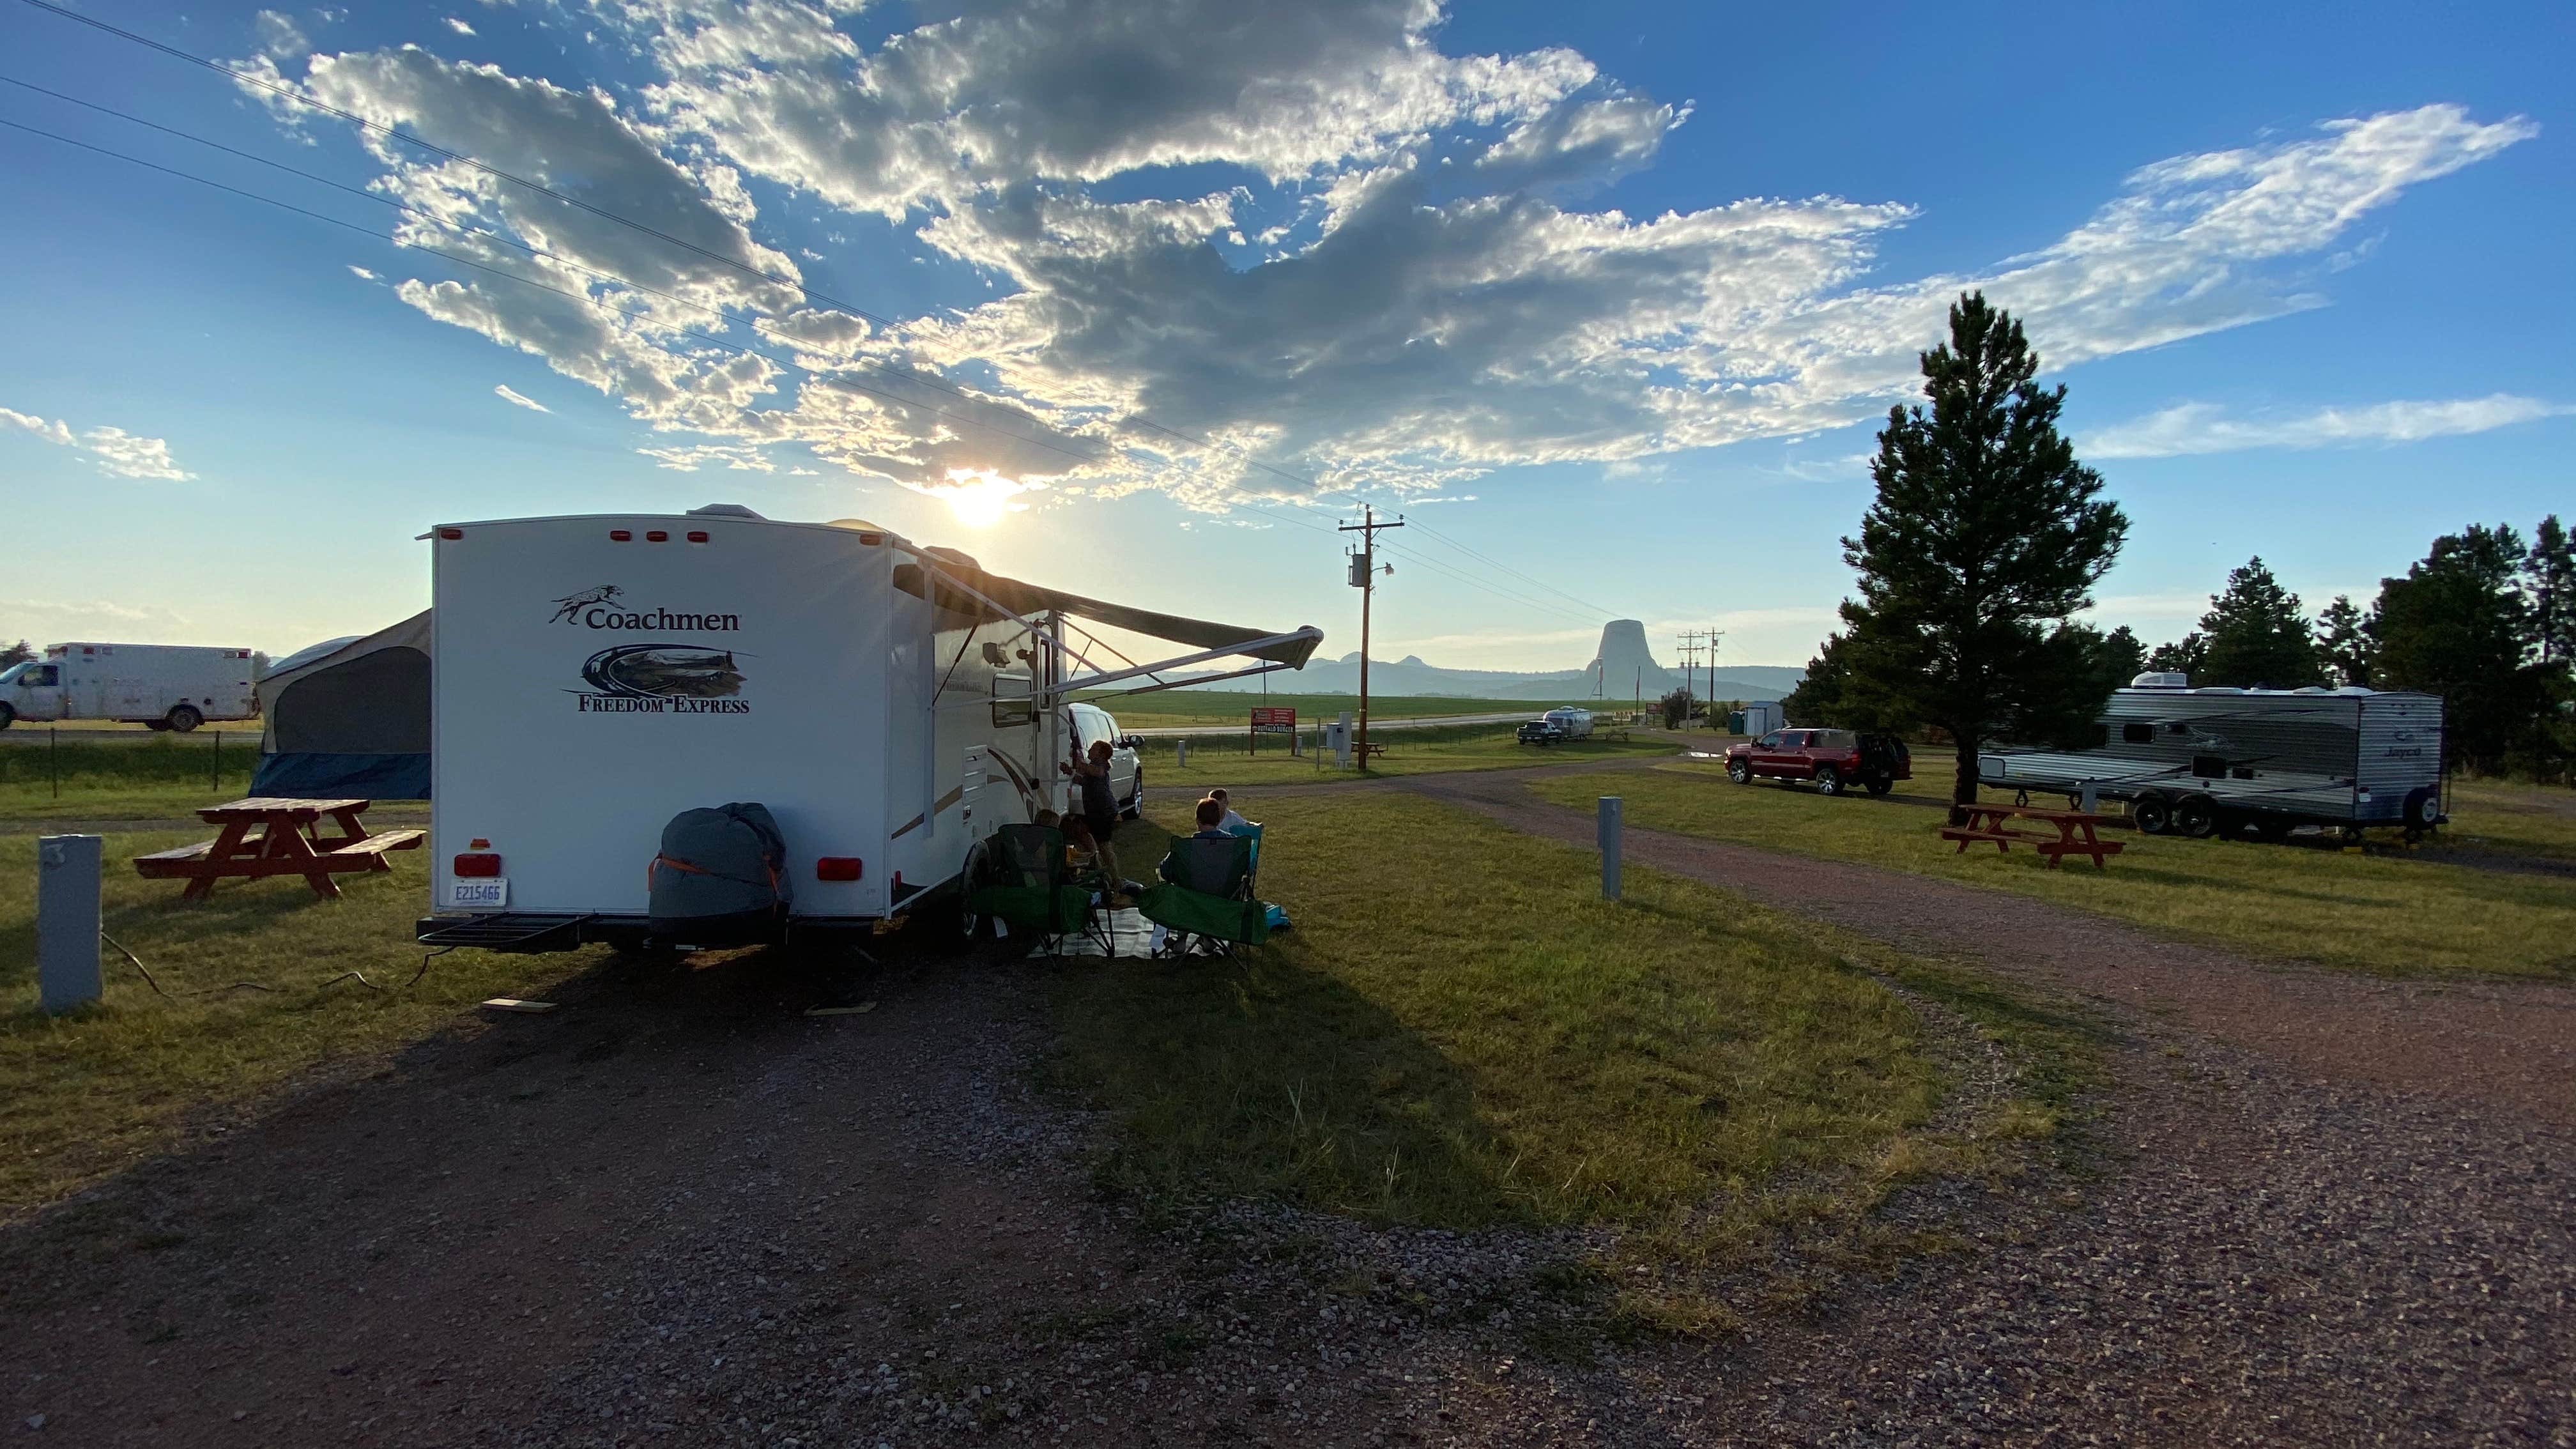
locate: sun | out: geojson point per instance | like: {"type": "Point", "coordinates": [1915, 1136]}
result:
{"type": "Point", "coordinates": [981, 497]}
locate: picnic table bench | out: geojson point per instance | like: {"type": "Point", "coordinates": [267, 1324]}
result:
{"type": "Point", "coordinates": [1374, 751]}
{"type": "Point", "coordinates": [264, 837]}
{"type": "Point", "coordinates": [2075, 833]}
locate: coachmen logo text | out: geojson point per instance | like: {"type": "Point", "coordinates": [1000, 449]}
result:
{"type": "Point", "coordinates": [597, 608]}
{"type": "Point", "coordinates": [660, 678]}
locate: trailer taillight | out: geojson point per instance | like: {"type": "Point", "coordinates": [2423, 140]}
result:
{"type": "Point", "coordinates": [657, 536]}
{"type": "Point", "coordinates": [475, 865]}
{"type": "Point", "coordinates": [697, 535]}
{"type": "Point", "coordinates": [451, 533]}
{"type": "Point", "coordinates": [836, 867]}
{"type": "Point", "coordinates": [619, 535]}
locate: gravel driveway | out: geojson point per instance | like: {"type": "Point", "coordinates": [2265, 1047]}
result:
{"type": "Point", "coordinates": [679, 1212]}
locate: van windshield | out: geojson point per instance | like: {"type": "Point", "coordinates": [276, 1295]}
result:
{"type": "Point", "coordinates": [10, 674]}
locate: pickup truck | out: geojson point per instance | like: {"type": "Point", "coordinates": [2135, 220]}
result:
{"type": "Point", "coordinates": [1834, 760]}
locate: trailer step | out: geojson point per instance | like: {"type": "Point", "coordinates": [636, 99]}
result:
{"type": "Point", "coordinates": [505, 932]}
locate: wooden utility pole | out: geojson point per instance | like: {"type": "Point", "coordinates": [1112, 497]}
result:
{"type": "Point", "coordinates": [1364, 578]}
{"type": "Point", "coordinates": [1688, 644]}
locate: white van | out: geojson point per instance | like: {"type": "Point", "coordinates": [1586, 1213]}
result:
{"type": "Point", "coordinates": [165, 686]}
{"type": "Point", "coordinates": [1084, 723]}
{"type": "Point", "coordinates": [890, 706]}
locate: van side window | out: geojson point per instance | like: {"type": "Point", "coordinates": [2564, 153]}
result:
{"type": "Point", "coordinates": [42, 674]}
{"type": "Point", "coordinates": [2137, 734]}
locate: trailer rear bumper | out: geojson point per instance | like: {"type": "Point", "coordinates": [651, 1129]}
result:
{"type": "Point", "coordinates": [533, 934]}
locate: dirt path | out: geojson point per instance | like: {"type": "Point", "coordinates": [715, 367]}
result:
{"type": "Point", "coordinates": [2335, 1211]}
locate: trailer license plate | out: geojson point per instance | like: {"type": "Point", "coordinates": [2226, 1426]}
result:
{"type": "Point", "coordinates": [479, 895]}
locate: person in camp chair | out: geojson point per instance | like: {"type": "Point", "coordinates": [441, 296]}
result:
{"type": "Point", "coordinates": [1211, 817]}
{"type": "Point", "coordinates": [1099, 811]}
{"type": "Point", "coordinates": [1232, 824]}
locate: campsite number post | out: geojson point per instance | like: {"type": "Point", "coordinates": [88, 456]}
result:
{"type": "Point", "coordinates": [1609, 826]}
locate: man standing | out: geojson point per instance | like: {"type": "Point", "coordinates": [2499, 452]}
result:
{"type": "Point", "coordinates": [1099, 810]}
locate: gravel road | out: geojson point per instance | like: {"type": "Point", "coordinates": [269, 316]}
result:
{"type": "Point", "coordinates": [679, 1212]}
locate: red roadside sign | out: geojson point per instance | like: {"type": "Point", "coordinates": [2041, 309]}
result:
{"type": "Point", "coordinates": [1266, 721]}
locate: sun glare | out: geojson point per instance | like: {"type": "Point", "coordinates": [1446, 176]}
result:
{"type": "Point", "coordinates": [981, 497]}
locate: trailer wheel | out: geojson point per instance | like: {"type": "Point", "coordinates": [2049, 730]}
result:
{"type": "Point", "coordinates": [184, 717]}
{"type": "Point", "coordinates": [2422, 806]}
{"type": "Point", "coordinates": [2154, 814]}
{"type": "Point", "coordinates": [2196, 816]}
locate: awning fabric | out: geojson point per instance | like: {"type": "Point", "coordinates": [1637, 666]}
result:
{"type": "Point", "coordinates": [1029, 600]}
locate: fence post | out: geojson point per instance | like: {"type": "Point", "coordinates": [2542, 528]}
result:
{"type": "Point", "coordinates": [215, 769]}
{"type": "Point", "coordinates": [53, 760]}
{"type": "Point", "coordinates": [1609, 827]}
{"type": "Point", "coordinates": [67, 973]}
{"type": "Point", "coordinates": [1183, 749]}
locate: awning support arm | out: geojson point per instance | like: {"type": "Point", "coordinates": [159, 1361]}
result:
{"type": "Point", "coordinates": [1248, 646]}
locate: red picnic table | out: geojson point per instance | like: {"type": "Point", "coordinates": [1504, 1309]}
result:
{"type": "Point", "coordinates": [288, 841]}
{"type": "Point", "coordinates": [1993, 823]}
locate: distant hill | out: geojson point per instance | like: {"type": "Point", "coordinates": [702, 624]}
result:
{"type": "Point", "coordinates": [1620, 669]}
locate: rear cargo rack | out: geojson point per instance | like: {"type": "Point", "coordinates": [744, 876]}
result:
{"type": "Point", "coordinates": [507, 933]}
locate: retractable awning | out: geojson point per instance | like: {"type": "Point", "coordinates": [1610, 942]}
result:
{"type": "Point", "coordinates": [941, 586]}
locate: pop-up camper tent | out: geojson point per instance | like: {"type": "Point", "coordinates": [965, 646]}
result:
{"type": "Point", "coordinates": [349, 717]}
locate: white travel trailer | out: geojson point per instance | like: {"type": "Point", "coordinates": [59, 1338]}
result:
{"type": "Point", "coordinates": [890, 705]}
{"type": "Point", "coordinates": [2203, 761]}
{"type": "Point", "coordinates": [165, 686]}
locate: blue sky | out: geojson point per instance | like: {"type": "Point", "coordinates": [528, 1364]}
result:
{"type": "Point", "coordinates": [1606, 296]}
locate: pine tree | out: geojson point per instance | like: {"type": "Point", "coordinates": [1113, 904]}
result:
{"type": "Point", "coordinates": [2257, 633]}
{"type": "Point", "coordinates": [2458, 626]}
{"type": "Point", "coordinates": [2183, 656]}
{"type": "Point", "coordinates": [1986, 532]}
{"type": "Point", "coordinates": [2344, 644]}
{"type": "Point", "coordinates": [2549, 571]}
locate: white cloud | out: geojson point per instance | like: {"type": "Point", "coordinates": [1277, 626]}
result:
{"type": "Point", "coordinates": [711, 455]}
{"type": "Point", "coordinates": [459, 26]}
{"type": "Point", "coordinates": [26, 618]}
{"type": "Point", "coordinates": [113, 450]}
{"type": "Point", "coordinates": [1427, 303]}
{"type": "Point", "coordinates": [279, 36]}
{"type": "Point", "coordinates": [507, 393]}
{"type": "Point", "coordinates": [363, 275]}
{"type": "Point", "coordinates": [2193, 428]}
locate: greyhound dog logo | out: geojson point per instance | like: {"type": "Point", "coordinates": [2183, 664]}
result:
{"type": "Point", "coordinates": [568, 609]}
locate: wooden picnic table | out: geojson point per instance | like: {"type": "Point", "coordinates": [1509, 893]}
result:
{"type": "Point", "coordinates": [2076, 833]}
{"type": "Point", "coordinates": [264, 837]}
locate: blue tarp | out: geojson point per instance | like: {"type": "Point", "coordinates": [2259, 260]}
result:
{"type": "Point", "coordinates": [323, 777]}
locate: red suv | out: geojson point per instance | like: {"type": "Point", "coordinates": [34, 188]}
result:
{"type": "Point", "coordinates": [1834, 759]}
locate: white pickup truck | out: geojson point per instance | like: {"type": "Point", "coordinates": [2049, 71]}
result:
{"type": "Point", "coordinates": [163, 686]}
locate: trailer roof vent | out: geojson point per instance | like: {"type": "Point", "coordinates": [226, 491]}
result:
{"type": "Point", "coordinates": [723, 510]}
{"type": "Point", "coordinates": [2161, 681]}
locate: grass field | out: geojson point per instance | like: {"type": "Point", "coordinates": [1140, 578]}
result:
{"type": "Point", "coordinates": [1459, 1032]}
{"type": "Point", "coordinates": [2399, 913]}
{"type": "Point", "coordinates": [85, 1093]}
{"type": "Point", "coordinates": [160, 778]}
{"type": "Point", "coordinates": [1209, 707]}
{"type": "Point", "coordinates": [1434, 750]}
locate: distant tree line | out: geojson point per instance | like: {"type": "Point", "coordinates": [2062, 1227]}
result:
{"type": "Point", "coordinates": [1987, 535]}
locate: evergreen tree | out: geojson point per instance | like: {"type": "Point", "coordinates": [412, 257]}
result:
{"type": "Point", "coordinates": [2550, 578]}
{"type": "Point", "coordinates": [2343, 642]}
{"type": "Point", "coordinates": [16, 654]}
{"type": "Point", "coordinates": [2183, 656]}
{"type": "Point", "coordinates": [2257, 633]}
{"type": "Point", "coordinates": [2458, 626]}
{"type": "Point", "coordinates": [2121, 657]}
{"type": "Point", "coordinates": [1985, 532]}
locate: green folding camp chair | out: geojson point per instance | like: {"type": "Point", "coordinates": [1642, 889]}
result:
{"type": "Point", "coordinates": [1205, 898]}
{"type": "Point", "coordinates": [1024, 884]}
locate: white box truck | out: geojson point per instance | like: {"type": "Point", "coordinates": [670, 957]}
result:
{"type": "Point", "coordinates": [166, 686]}
{"type": "Point", "coordinates": [890, 706]}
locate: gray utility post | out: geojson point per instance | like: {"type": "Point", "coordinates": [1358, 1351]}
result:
{"type": "Point", "coordinates": [1609, 847]}
{"type": "Point", "coordinates": [1182, 749]}
{"type": "Point", "coordinates": [67, 972]}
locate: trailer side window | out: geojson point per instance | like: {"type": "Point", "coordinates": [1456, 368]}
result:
{"type": "Point", "coordinates": [2137, 734]}
{"type": "Point", "coordinates": [1011, 704]}
{"type": "Point", "coordinates": [2177, 728]}
{"type": "Point", "coordinates": [2209, 767]}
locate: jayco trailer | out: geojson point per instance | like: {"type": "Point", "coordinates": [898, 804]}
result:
{"type": "Point", "coordinates": [166, 686]}
{"type": "Point", "coordinates": [889, 705]}
{"type": "Point", "coordinates": [2195, 761]}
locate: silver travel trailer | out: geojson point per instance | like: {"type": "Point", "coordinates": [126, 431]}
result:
{"type": "Point", "coordinates": [2201, 761]}
{"type": "Point", "coordinates": [880, 708]}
